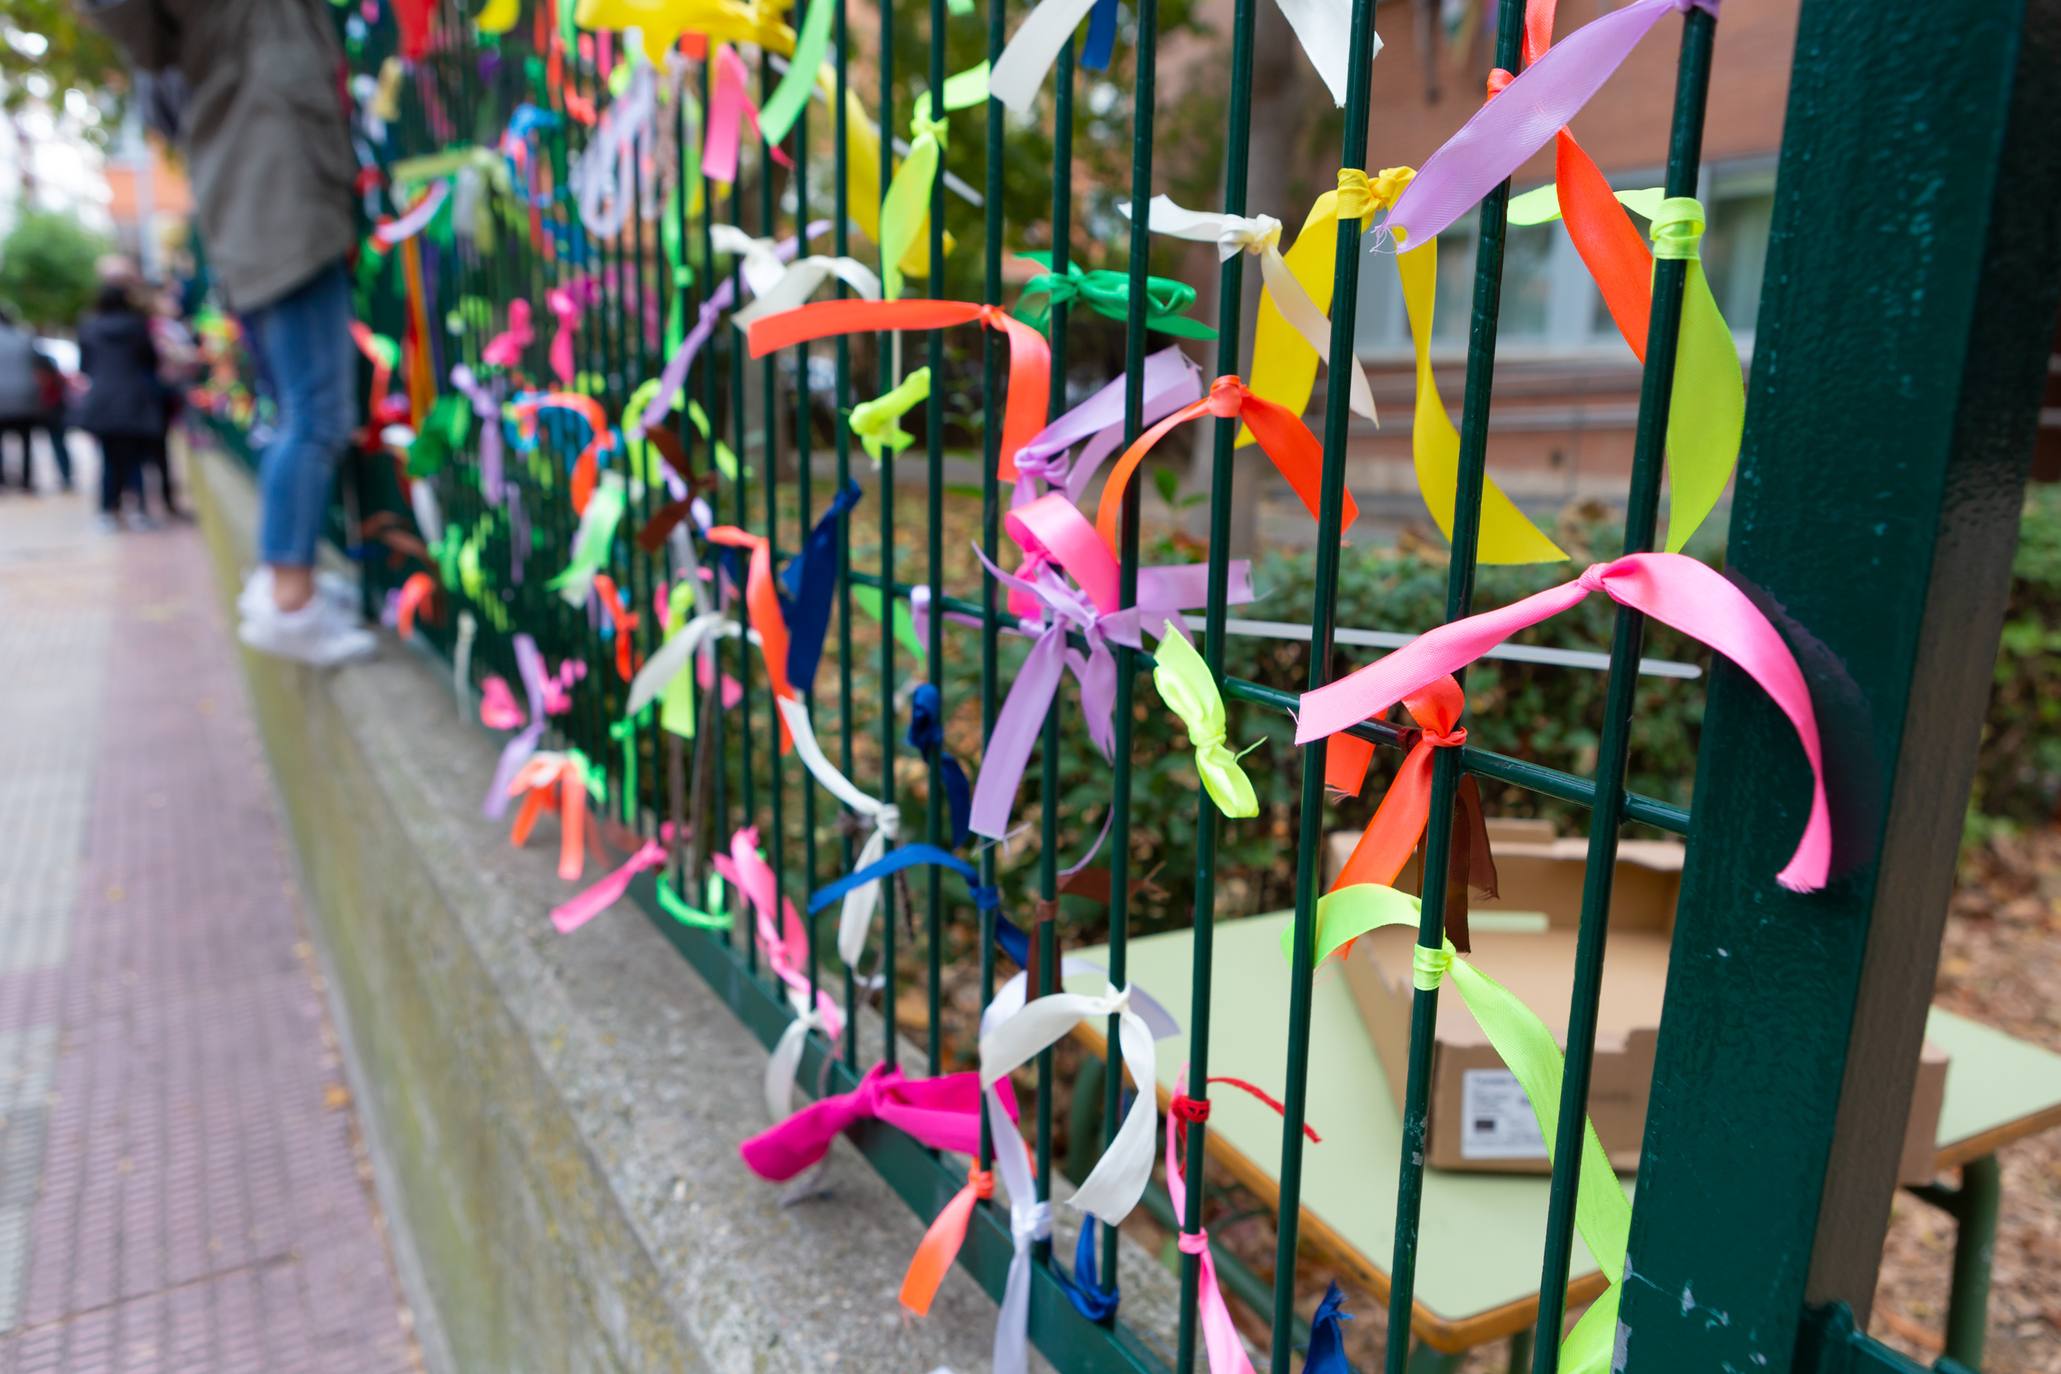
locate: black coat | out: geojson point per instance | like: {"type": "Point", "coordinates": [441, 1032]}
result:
{"type": "Point", "coordinates": [123, 396]}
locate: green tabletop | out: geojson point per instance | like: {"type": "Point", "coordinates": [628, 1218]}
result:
{"type": "Point", "coordinates": [1483, 1234]}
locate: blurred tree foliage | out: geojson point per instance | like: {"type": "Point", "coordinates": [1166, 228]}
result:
{"type": "Point", "coordinates": [48, 39]}
{"type": "Point", "coordinates": [46, 268]}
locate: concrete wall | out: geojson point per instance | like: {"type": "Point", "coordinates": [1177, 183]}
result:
{"type": "Point", "coordinates": [555, 1118]}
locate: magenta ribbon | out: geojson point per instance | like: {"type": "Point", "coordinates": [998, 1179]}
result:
{"type": "Point", "coordinates": [567, 303]}
{"type": "Point", "coordinates": [1170, 382]}
{"type": "Point", "coordinates": [506, 348]}
{"type": "Point", "coordinates": [1059, 544]}
{"type": "Point", "coordinates": [729, 103]}
{"type": "Point", "coordinates": [570, 915]}
{"type": "Point", "coordinates": [942, 1112]}
{"type": "Point", "coordinates": [674, 376]}
{"type": "Point", "coordinates": [1671, 588]}
{"type": "Point", "coordinates": [1503, 134]}
{"type": "Point", "coordinates": [782, 936]}
{"type": "Point", "coordinates": [530, 661]}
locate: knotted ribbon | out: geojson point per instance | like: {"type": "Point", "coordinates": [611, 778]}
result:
{"type": "Point", "coordinates": [506, 348]}
{"type": "Point", "coordinates": [416, 593]}
{"type": "Point", "coordinates": [593, 540]}
{"type": "Point", "coordinates": [878, 423]}
{"type": "Point", "coordinates": [1190, 691]}
{"type": "Point", "coordinates": [1669, 587]}
{"type": "Point", "coordinates": [571, 915]}
{"type": "Point", "coordinates": [709, 916]}
{"type": "Point", "coordinates": [859, 898]}
{"type": "Point", "coordinates": [809, 582]}
{"type": "Point", "coordinates": [1504, 133]}
{"type": "Point", "coordinates": [1282, 435]}
{"type": "Point", "coordinates": [791, 96]}
{"type": "Point", "coordinates": [942, 1241]}
{"type": "Point", "coordinates": [1322, 27]}
{"type": "Point", "coordinates": [1261, 236]}
{"type": "Point", "coordinates": [1030, 359]}
{"type": "Point", "coordinates": [1054, 536]}
{"type": "Point", "coordinates": [1326, 1354]}
{"type": "Point", "coordinates": [785, 942]}
{"type": "Point", "coordinates": [1170, 382]}
{"type": "Point", "coordinates": [622, 624]}
{"type": "Point", "coordinates": [927, 737]}
{"type": "Point", "coordinates": [604, 176]}
{"type": "Point", "coordinates": [567, 304]}
{"type": "Point", "coordinates": [1602, 1212]}
{"type": "Point", "coordinates": [801, 280]}
{"type": "Point", "coordinates": [561, 783]}
{"type": "Point", "coordinates": [905, 210]}
{"type": "Point", "coordinates": [1220, 1340]}
{"type": "Point", "coordinates": [762, 603]}
{"type": "Point", "coordinates": [1397, 827]}
{"type": "Point", "coordinates": [942, 1113]}
{"type": "Point", "coordinates": [530, 664]}
{"type": "Point", "coordinates": [1108, 294]}
{"type": "Point", "coordinates": [587, 465]}
{"type": "Point", "coordinates": [662, 23]}
{"type": "Point", "coordinates": [665, 674]}
{"type": "Point", "coordinates": [486, 409]}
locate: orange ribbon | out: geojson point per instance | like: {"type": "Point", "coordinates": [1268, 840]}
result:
{"type": "Point", "coordinates": [625, 621]}
{"type": "Point", "coordinates": [587, 467]}
{"type": "Point", "coordinates": [941, 1244]}
{"type": "Point", "coordinates": [415, 594]}
{"type": "Point", "coordinates": [1397, 829]}
{"type": "Point", "coordinates": [1281, 434]}
{"type": "Point", "coordinates": [554, 782]}
{"type": "Point", "coordinates": [1610, 245]}
{"type": "Point", "coordinates": [762, 603]}
{"type": "Point", "coordinates": [1030, 357]}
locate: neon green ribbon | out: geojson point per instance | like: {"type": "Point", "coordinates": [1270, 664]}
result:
{"type": "Point", "coordinates": [593, 540]}
{"type": "Point", "coordinates": [675, 906]}
{"type": "Point", "coordinates": [1108, 293]}
{"type": "Point", "coordinates": [905, 210]}
{"type": "Point", "coordinates": [791, 96]}
{"type": "Point", "coordinates": [676, 706]}
{"type": "Point", "coordinates": [1707, 408]}
{"type": "Point", "coordinates": [878, 423]}
{"type": "Point", "coordinates": [624, 732]}
{"type": "Point", "coordinates": [1602, 1212]}
{"type": "Point", "coordinates": [726, 461]}
{"type": "Point", "coordinates": [1542, 205]}
{"type": "Point", "coordinates": [1190, 692]}
{"type": "Point", "coordinates": [867, 599]}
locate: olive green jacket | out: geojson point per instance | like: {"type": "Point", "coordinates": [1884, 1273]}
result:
{"type": "Point", "coordinates": [264, 131]}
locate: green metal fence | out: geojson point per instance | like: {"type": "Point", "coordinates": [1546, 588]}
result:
{"type": "Point", "coordinates": [1910, 291]}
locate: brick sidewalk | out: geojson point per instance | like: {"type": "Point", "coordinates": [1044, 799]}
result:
{"type": "Point", "coordinates": [181, 1183]}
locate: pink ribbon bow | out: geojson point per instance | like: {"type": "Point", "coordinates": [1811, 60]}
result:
{"type": "Point", "coordinates": [506, 348]}
{"type": "Point", "coordinates": [567, 303]}
{"type": "Point", "coordinates": [569, 916]}
{"type": "Point", "coordinates": [942, 1112]}
{"type": "Point", "coordinates": [514, 754]}
{"type": "Point", "coordinates": [1669, 587]}
{"type": "Point", "coordinates": [1054, 536]}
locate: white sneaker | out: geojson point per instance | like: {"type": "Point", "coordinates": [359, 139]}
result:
{"type": "Point", "coordinates": [329, 586]}
{"type": "Point", "coordinates": [319, 633]}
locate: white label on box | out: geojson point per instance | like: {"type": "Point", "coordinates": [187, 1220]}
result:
{"type": "Point", "coordinates": [1497, 1118]}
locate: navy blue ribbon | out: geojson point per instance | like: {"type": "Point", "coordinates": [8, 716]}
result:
{"type": "Point", "coordinates": [927, 737]}
{"type": "Point", "coordinates": [1327, 1335]}
{"type": "Point", "coordinates": [808, 584]}
{"type": "Point", "coordinates": [1089, 1298]}
{"type": "Point", "coordinates": [1101, 36]}
{"type": "Point", "coordinates": [907, 857]}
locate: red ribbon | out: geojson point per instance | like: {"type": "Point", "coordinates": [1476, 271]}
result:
{"type": "Point", "coordinates": [625, 621]}
{"type": "Point", "coordinates": [1030, 357]}
{"type": "Point", "coordinates": [1281, 433]}
{"type": "Point", "coordinates": [415, 595]}
{"type": "Point", "coordinates": [762, 603]}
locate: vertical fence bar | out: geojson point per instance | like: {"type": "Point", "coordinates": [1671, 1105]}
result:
{"type": "Point", "coordinates": [840, 122]}
{"type": "Point", "coordinates": [934, 435]}
{"type": "Point", "coordinates": [803, 484]}
{"type": "Point", "coordinates": [1685, 145]}
{"type": "Point", "coordinates": [890, 352]}
{"type": "Point", "coordinates": [769, 453]}
{"type": "Point", "coordinates": [1323, 621]}
{"type": "Point", "coordinates": [721, 346]}
{"type": "Point", "coordinates": [990, 499]}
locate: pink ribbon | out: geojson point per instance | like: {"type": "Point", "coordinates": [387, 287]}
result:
{"type": "Point", "coordinates": [782, 936]}
{"type": "Point", "coordinates": [571, 915]}
{"type": "Point", "coordinates": [1538, 103]}
{"type": "Point", "coordinates": [530, 663]}
{"type": "Point", "coordinates": [1671, 588]}
{"type": "Point", "coordinates": [567, 303]}
{"type": "Point", "coordinates": [942, 1112]}
{"type": "Point", "coordinates": [506, 348]}
{"type": "Point", "coordinates": [729, 105]}
{"type": "Point", "coordinates": [1219, 1333]}
{"type": "Point", "coordinates": [1055, 536]}
{"type": "Point", "coordinates": [497, 708]}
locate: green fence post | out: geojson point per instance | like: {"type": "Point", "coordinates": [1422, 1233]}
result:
{"type": "Point", "coordinates": [1902, 343]}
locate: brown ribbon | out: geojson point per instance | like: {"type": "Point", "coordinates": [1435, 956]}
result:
{"type": "Point", "coordinates": [1469, 861]}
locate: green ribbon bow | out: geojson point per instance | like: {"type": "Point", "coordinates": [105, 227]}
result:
{"type": "Point", "coordinates": [1108, 293]}
{"type": "Point", "coordinates": [878, 422]}
{"type": "Point", "coordinates": [1602, 1212]}
{"type": "Point", "coordinates": [675, 906]}
{"type": "Point", "coordinates": [1190, 692]}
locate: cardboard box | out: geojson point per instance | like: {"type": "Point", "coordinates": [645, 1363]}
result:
{"type": "Point", "coordinates": [1525, 939]}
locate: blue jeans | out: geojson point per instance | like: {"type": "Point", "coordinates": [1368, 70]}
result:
{"type": "Point", "coordinates": [303, 344]}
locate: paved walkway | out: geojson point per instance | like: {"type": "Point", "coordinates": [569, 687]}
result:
{"type": "Point", "coordinates": [182, 1187]}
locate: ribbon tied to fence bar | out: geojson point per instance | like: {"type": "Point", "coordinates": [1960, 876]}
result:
{"type": "Point", "coordinates": [860, 898]}
{"type": "Point", "coordinates": [877, 423]}
{"type": "Point", "coordinates": [1108, 294]}
{"type": "Point", "coordinates": [1669, 587]}
{"type": "Point", "coordinates": [1190, 691]}
{"type": "Point", "coordinates": [1096, 425]}
{"type": "Point", "coordinates": [942, 1113]}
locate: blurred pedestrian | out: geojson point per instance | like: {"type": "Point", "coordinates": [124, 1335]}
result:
{"type": "Point", "coordinates": [123, 406]}
{"type": "Point", "coordinates": [20, 395]}
{"type": "Point", "coordinates": [53, 390]}
{"type": "Point", "coordinates": [262, 122]}
{"type": "Point", "coordinates": [178, 362]}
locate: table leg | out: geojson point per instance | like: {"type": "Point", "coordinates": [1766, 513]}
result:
{"type": "Point", "coordinates": [1520, 1352]}
{"type": "Point", "coordinates": [1975, 1213]}
{"type": "Point", "coordinates": [1425, 1360]}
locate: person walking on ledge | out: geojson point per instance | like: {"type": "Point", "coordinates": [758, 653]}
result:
{"type": "Point", "coordinates": [269, 152]}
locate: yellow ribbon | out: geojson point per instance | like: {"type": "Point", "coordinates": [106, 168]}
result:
{"type": "Point", "coordinates": [1602, 1212]}
{"type": "Point", "coordinates": [878, 422]}
{"type": "Point", "coordinates": [661, 22]}
{"type": "Point", "coordinates": [1707, 405]}
{"type": "Point", "coordinates": [1190, 692]}
{"type": "Point", "coordinates": [905, 211]}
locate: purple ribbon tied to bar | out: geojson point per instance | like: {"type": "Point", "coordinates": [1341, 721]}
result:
{"type": "Point", "coordinates": [530, 661]}
{"type": "Point", "coordinates": [486, 408]}
{"type": "Point", "coordinates": [1503, 134]}
{"type": "Point", "coordinates": [1070, 579]}
{"type": "Point", "coordinates": [1170, 382]}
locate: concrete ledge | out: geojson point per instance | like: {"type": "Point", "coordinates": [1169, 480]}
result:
{"type": "Point", "coordinates": [554, 1120]}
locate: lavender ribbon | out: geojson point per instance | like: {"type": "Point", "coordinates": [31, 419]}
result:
{"type": "Point", "coordinates": [487, 410]}
{"type": "Point", "coordinates": [1067, 609]}
{"type": "Point", "coordinates": [674, 377]}
{"type": "Point", "coordinates": [530, 661]}
{"type": "Point", "coordinates": [1170, 382]}
{"type": "Point", "coordinates": [1505, 132]}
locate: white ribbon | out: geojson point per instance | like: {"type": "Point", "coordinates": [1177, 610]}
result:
{"type": "Point", "coordinates": [1030, 1217]}
{"type": "Point", "coordinates": [798, 281]}
{"type": "Point", "coordinates": [461, 662]}
{"type": "Point", "coordinates": [1323, 27]}
{"type": "Point", "coordinates": [785, 1061]}
{"type": "Point", "coordinates": [1260, 236]}
{"type": "Point", "coordinates": [674, 656]}
{"type": "Point", "coordinates": [603, 177]}
{"type": "Point", "coordinates": [429, 516]}
{"type": "Point", "coordinates": [407, 226]}
{"type": "Point", "coordinates": [758, 259]}
{"type": "Point", "coordinates": [1113, 1187]}
{"type": "Point", "coordinates": [855, 918]}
